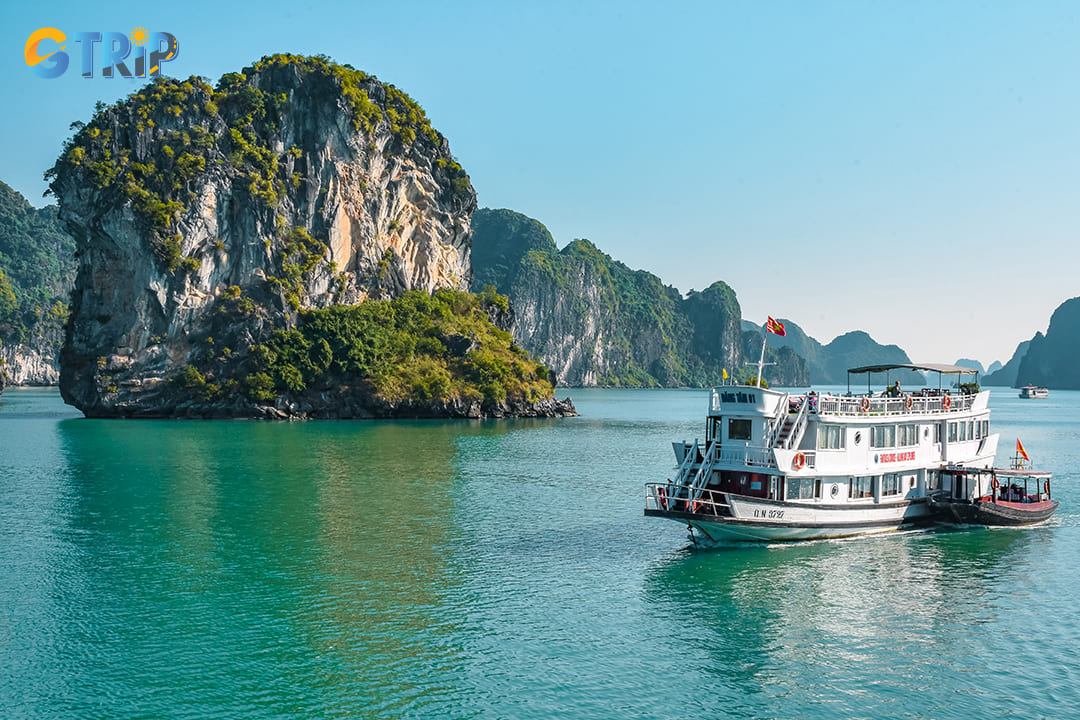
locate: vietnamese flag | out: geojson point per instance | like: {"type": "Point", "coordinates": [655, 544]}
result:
{"type": "Point", "coordinates": [1021, 451]}
{"type": "Point", "coordinates": [775, 327]}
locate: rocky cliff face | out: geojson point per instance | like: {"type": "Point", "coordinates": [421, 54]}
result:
{"type": "Point", "coordinates": [595, 321]}
{"type": "Point", "coordinates": [25, 365]}
{"type": "Point", "coordinates": [1050, 360]}
{"type": "Point", "coordinates": [206, 217]}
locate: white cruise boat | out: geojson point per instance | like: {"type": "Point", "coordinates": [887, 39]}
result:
{"type": "Point", "coordinates": [780, 466]}
{"type": "Point", "coordinates": [1034, 392]}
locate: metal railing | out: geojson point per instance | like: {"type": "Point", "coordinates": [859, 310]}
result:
{"type": "Point", "coordinates": [798, 426]}
{"type": "Point", "coordinates": [750, 456]}
{"type": "Point", "coordinates": [911, 404]}
{"type": "Point", "coordinates": [779, 421]}
{"type": "Point", "coordinates": [669, 497]}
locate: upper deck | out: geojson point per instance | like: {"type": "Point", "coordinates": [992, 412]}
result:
{"type": "Point", "coordinates": [743, 400]}
{"type": "Point", "coordinates": [749, 401]}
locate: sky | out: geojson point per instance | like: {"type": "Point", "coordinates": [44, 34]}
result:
{"type": "Point", "coordinates": [909, 169]}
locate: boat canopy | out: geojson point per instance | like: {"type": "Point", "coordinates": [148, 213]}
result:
{"type": "Point", "coordinates": [932, 367]}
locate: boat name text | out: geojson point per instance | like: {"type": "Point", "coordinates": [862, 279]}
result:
{"type": "Point", "coordinates": [895, 457]}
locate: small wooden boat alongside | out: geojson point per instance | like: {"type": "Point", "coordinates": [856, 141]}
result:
{"type": "Point", "coordinates": [993, 496]}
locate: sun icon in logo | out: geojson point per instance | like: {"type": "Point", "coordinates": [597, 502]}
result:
{"type": "Point", "coordinates": [139, 36]}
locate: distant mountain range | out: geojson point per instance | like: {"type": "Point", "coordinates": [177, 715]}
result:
{"type": "Point", "coordinates": [595, 321]}
{"type": "Point", "coordinates": [589, 317]}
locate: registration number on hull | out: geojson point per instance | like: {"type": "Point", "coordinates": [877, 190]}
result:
{"type": "Point", "coordinates": [769, 514]}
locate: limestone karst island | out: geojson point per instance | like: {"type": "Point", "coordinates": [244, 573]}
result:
{"type": "Point", "coordinates": [292, 243]}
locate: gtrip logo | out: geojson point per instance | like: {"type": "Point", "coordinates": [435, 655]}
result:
{"type": "Point", "coordinates": [46, 57]}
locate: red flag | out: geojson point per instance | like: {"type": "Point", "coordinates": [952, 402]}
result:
{"type": "Point", "coordinates": [1021, 451]}
{"type": "Point", "coordinates": [775, 327]}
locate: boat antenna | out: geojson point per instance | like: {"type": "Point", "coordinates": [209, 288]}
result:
{"type": "Point", "coordinates": [761, 361]}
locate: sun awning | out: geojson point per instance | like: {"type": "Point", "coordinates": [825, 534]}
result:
{"type": "Point", "coordinates": [932, 367]}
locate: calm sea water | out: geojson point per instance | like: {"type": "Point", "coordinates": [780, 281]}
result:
{"type": "Point", "coordinates": [494, 570]}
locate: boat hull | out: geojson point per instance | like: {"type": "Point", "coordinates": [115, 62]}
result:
{"type": "Point", "coordinates": [985, 512]}
{"type": "Point", "coordinates": [757, 520]}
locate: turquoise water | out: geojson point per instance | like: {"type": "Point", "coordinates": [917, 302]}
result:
{"type": "Point", "coordinates": [494, 570]}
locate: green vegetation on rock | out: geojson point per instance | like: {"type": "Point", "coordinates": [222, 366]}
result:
{"type": "Point", "coordinates": [415, 348]}
{"type": "Point", "coordinates": [598, 321]}
{"type": "Point", "coordinates": [37, 269]}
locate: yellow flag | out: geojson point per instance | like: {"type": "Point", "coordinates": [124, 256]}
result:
{"type": "Point", "coordinates": [725, 373]}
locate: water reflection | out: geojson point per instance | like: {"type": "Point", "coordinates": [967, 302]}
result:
{"type": "Point", "coordinates": [317, 547]}
{"type": "Point", "coordinates": [854, 628]}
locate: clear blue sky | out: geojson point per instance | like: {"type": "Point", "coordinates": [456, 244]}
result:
{"type": "Point", "coordinates": [911, 169]}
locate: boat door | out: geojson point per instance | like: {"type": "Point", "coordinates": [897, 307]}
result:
{"type": "Point", "coordinates": [959, 486]}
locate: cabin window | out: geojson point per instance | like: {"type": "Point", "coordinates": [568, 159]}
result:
{"type": "Point", "coordinates": [830, 437]}
{"type": "Point", "coordinates": [963, 431]}
{"type": "Point", "coordinates": [907, 435]}
{"type": "Point", "coordinates": [933, 480]}
{"type": "Point", "coordinates": [971, 429]}
{"type": "Point", "coordinates": [738, 429]}
{"type": "Point", "coordinates": [937, 433]}
{"type": "Point", "coordinates": [890, 484]}
{"type": "Point", "coordinates": [978, 430]}
{"type": "Point", "coordinates": [952, 432]}
{"type": "Point", "coordinates": [883, 436]}
{"type": "Point", "coordinates": [860, 487]}
{"type": "Point", "coordinates": [986, 428]}
{"type": "Point", "coordinates": [803, 488]}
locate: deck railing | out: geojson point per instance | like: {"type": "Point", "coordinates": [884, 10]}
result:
{"type": "Point", "coordinates": [674, 498]}
{"type": "Point", "coordinates": [751, 456]}
{"type": "Point", "coordinates": [856, 405]}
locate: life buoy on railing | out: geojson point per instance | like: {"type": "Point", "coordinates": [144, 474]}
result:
{"type": "Point", "coordinates": [908, 403]}
{"type": "Point", "coordinates": [946, 402]}
{"type": "Point", "coordinates": [865, 405]}
{"type": "Point", "coordinates": [799, 461]}
{"type": "Point", "coordinates": [1046, 488]}
{"type": "Point", "coordinates": [995, 484]}
{"type": "Point", "coordinates": [661, 498]}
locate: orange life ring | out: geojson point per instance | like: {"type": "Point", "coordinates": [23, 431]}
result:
{"type": "Point", "coordinates": [995, 484]}
{"type": "Point", "coordinates": [946, 402]}
{"type": "Point", "coordinates": [661, 498]}
{"type": "Point", "coordinates": [799, 461]}
{"type": "Point", "coordinates": [865, 405]}
{"type": "Point", "coordinates": [908, 403]}
{"type": "Point", "coordinates": [1046, 488]}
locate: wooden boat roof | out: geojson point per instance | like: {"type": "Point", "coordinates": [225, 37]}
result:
{"type": "Point", "coordinates": [932, 367]}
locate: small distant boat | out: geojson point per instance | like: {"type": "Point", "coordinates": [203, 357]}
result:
{"type": "Point", "coordinates": [1034, 392]}
{"type": "Point", "coordinates": [993, 496]}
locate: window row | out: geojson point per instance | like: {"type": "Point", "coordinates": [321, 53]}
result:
{"type": "Point", "coordinates": [892, 484]}
{"type": "Point", "coordinates": [968, 430]}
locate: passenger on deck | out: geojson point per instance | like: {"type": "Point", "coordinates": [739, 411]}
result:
{"type": "Point", "coordinates": [894, 391]}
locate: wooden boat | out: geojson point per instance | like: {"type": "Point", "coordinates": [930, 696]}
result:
{"type": "Point", "coordinates": [974, 496]}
